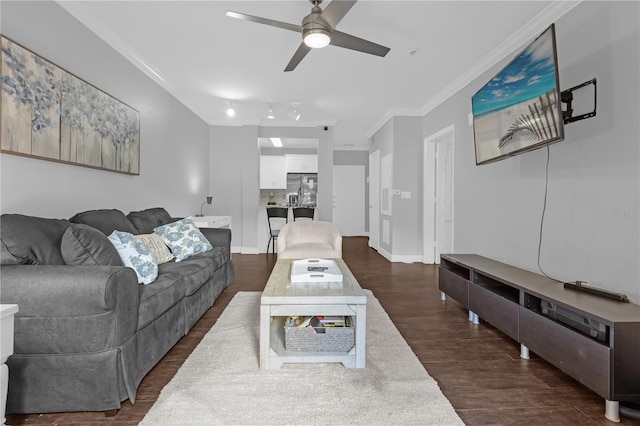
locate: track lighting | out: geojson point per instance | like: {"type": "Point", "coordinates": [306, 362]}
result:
{"type": "Point", "coordinates": [270, 114]}
{"type": "Point", "coordinates": [293, 113]}
{"type": "Point", "coordinates": [230, 111]}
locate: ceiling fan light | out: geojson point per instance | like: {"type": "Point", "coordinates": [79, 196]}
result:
{"type": "Point", "coordinates": [317, 38]}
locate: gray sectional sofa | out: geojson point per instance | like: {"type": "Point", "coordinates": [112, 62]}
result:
{"type": "Point", "coordinates": [86, 332]}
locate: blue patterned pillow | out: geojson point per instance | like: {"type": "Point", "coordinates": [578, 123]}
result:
{"type": "Point", "coordinates": [183, 238]}
{"type": "Point", "coordinates": [135, 255]}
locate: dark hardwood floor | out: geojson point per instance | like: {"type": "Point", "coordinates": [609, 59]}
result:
{"type": "Point", "coordinates": [477, 367]}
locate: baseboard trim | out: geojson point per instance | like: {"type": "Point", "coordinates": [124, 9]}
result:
{"type": "Point", "coordinates": [400, 258]}
{"type": "Point", "coordinates": [246, 250]}
{"type": "Point", "coordinates": [407, 258]}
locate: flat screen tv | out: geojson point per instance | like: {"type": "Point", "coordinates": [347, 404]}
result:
{"type": "Point", "coordinates": [520, 108]}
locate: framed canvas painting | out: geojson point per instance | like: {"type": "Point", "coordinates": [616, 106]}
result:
{"type": "Point", "coordinates": [50, 114]}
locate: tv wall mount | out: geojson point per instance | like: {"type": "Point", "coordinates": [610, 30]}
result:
{"type": "Point", "coordinates": [566, 96]}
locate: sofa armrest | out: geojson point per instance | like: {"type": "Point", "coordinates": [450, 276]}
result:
{"type": "Point", "coordinates": [218, 237]}
{"type": "Point", "coordinates": [65, 309]}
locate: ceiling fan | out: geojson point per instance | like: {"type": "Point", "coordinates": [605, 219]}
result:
{"type": "Point", "coordinates": [318, 30]}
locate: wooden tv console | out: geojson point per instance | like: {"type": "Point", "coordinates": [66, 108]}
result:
{"type": "Point", "coordinates": [510, 299]}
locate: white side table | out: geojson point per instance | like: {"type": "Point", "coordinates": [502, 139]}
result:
{"type": "Point", "coordinates": [212, 221]}
{"type": "Point", "coordinates": [6, 350]}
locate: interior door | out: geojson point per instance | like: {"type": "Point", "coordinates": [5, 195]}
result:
{"type": "Point", "coordinates": [438, 195]}
{"type": "Point", "coordinates": [374, 200]}
{"type": "Point", "coordinates": [348, 199]}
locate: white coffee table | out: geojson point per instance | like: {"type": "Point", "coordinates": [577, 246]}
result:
{"type": "Point", "coordinates": [282, 298]}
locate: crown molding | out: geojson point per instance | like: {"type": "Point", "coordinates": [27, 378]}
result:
{"type": "Point", "coordinates": [515, 42]}
{"type": "Point", "coordinates": [86, 18]}
{"type": "Point", "coordinates": [272, 123]}
{"type": "Point", "coordinates": [389, 114]}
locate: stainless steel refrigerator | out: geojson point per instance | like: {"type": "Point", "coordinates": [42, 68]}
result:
{"type": "Point", "coordinates": [302, 189]}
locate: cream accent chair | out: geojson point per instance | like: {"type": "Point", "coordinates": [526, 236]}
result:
{"type": "Point", "coordinates": [309, 239]}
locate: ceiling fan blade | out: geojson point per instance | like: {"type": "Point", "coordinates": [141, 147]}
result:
{"type": "Point", "coordinates": [336, 10]}
{"type": "Point", "coordinates": [265, 21]}
{"type": "Point", "coordinates": [297, 57]}
{"type": "Point", "coordinates": [348, 41]}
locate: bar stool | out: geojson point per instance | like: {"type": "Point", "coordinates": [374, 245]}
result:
{"type": "Point", "coordinates": [277, 214]}
{"type": "Point", "coordinates": [303, 212]}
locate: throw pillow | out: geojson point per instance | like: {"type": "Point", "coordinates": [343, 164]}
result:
{"type": "Point", "coordinates": [146, 220]}
{"type": "Point", "coordinates": [85, 245]}
{"type": "Point", "coordinates": [183, 238]}
{"type": "Point", "coordinates": [105, 220]}
{"type": "Point", "coordinates": [135, 255]}
{"type": "Point", "coordinates": [159, 250]}
{"type": "Point", "coordinates": [31, 240]}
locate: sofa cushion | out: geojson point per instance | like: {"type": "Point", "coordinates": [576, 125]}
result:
{"type": "Point", "coordinates": [135, 255]}
{"type": "Point", "coordinates": [218, 256]}
{"type": "Point", "coordinates": [105, 220]}
{"type": "Point", "coordinates": [195, 272]}
{"type": "Point", "coordinates": [146, 220]}
{"type": "Point", "coordinates": [159, 297]}
{"type": "Point", "coordinates": [32, 240]}
{"type": "Point", "coordinates": [183, 238]}
{"type": "Point", "coordinates": [159, 250]}
{"type": "Point", "coordinates": [85, 245]}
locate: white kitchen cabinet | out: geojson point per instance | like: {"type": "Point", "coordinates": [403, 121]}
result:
{"type": "Point", "coordinates": [302, 163]}
{"type": "Point", "coordinates": [273, 172]}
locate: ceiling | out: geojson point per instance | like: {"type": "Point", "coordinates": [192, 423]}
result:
{"type": "Point", "coordinates": [206, 59]}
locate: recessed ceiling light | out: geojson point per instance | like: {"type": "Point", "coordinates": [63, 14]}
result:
{"type": "Point", "coordinates": [277, 142]}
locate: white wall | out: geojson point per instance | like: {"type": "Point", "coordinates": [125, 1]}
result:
{"type": "Point", "coordinates": [402, 136]}
{"type": "Point", "coordinates": [407, 177]}
{"type": "Point", "coordinates": [591, 225]}
{"type": "Point", "coordinates": [174, 142]}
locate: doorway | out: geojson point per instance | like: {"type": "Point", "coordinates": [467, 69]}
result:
{"type": "Point", "coordinates": [438, 195]}
{"type": "Point", "coordinates": [348, 199]}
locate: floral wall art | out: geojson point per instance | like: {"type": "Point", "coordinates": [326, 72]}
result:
{"type": "Point", "coordinates": [50, 114]}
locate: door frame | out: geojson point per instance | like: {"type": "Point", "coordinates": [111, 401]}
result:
{"type": "Point", "coordinates": [430, 252]}
{"type": "Point", "coordinates": [374, 200]}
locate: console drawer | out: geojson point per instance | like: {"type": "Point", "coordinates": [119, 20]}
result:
{"type": "Point", "coordinates": [495, 309]}
{"type": "Point", "coordinates": [580, 357]}
{"type": "Point", "coordinates": [454, 286]}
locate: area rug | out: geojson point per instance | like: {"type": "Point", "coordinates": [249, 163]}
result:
{"type": "Point", "coordinates": [221, 383]}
